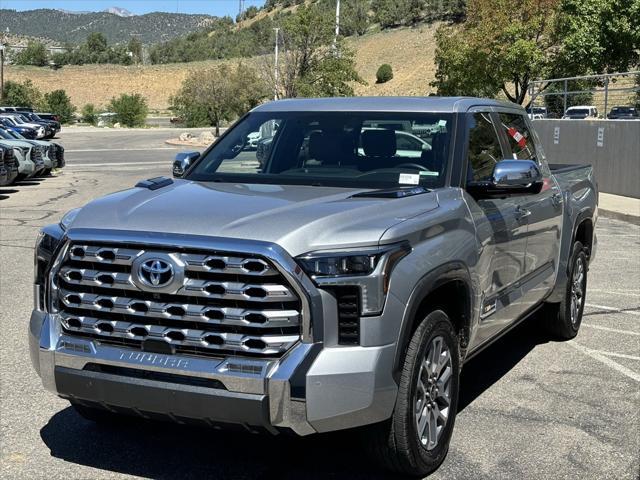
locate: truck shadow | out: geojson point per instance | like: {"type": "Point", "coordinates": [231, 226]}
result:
{"type": "Point", "coordinates": [169, 451]}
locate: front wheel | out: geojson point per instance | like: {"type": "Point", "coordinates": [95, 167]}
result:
{"type": "Point", "coordinates": [416, 439]}
{"type": "Point", "coordinates": [564, 318]}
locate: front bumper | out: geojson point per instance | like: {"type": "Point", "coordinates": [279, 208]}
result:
{"type": "Point", "coordinates": [311, 389]}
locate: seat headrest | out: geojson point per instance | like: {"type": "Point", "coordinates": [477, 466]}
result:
{"type": "Point", "coordinates": [331, 148]}
{"type": "Point", "coordinates": [379, 143]}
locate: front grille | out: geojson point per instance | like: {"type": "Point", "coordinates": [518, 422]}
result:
{"type": "Point", "coordinates": [348, 299]}
{"type": "Point", "coordinates": [10, 161]}
{"type": "Point", "coordinates": [36, 154]}
{"type": "Point", "coordinates": [222, 302]}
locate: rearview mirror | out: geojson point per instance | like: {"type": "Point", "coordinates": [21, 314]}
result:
{"type": "Point", "coordinates": [509, 177]}
{"type": "Point", "coordinates": [183, 161]}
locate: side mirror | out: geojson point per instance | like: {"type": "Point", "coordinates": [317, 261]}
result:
{"type": "Point", "coordinates": [510, 177]}
{"type": "Point", "coordinates": [183, 161]}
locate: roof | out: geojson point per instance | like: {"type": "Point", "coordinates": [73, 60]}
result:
{"type": "Point", "coordinates": [382, 104]}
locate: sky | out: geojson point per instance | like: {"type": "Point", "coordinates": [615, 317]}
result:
{"type": "Point", "coordinates": [211, 7]}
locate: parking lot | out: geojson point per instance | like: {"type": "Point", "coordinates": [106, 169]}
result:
{"type": "Point", "coordinates": [529, 408]}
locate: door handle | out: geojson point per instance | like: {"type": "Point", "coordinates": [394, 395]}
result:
{"type": "Point", "coordinates": [522, 212]}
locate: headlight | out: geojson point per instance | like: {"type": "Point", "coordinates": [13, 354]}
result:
{"type": "Point", "coordinates": [47, 243]}
{"type": "Point", "coordinates": [68, 218]}
{"type": "Point", "coordinates": [368, 268]}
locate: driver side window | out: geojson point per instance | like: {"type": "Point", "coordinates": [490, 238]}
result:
{"type": "Point", "coordinates": [484, 147]}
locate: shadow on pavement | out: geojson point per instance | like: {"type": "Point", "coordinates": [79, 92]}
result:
{"type": "Point", "coordinates": [166, 451]}
{"type": "Point", "coordinates": [489, 366]}
{"type": "Point", "coordinates": [171, 451]}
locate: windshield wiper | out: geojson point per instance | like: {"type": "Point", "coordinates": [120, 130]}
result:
{"type": "Point", "coordinates": [400, 192]}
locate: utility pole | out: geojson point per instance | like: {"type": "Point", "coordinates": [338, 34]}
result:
{"type": "Point", "coordinates": [276, 73]}
{"type": "Point", "coordinates": [240, 7]}
{"type": "Point", "coordinates": [2, 47]}
{"type": "Point", "coordinates": [335, 41]}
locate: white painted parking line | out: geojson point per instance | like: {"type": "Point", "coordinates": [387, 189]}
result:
{"type": "Point", "coordinates": [605, 360]}
{"type": "Point", "coordinates": [612, 309]}
{"type": "Point", "coordinates": [607, 329]}
{"type": "Point", "coordinates": [617, 355]}
{"type": "Point", "coordinates": [615, 292]}
{"type": "Point", "coordinates": [115, 164]}
{"type": "Point", "coordinates": [119, 149]}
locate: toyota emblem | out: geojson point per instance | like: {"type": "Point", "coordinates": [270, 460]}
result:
{"type": "Point", "coordinates": [155, 272]}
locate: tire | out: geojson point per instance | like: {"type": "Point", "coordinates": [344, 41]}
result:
{"type": "Point", "coordinates": [564, 318]}
{"type": "Point", "coordinates": [46, 172]}
{"type": "Point", "coordinates": [396, 444]}
{"type": "Point", "coordinates": [97, 415]}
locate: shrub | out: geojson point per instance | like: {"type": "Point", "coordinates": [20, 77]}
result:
{"type": "Point", "coordinates": [24, 94]}
{"type": "Point", "coordinates": [130, 110]}
{"type": "Point", "coordinates": [384, 73]}
{"type": "Point", "coordinates": [89, 114]}
{"type": "Point", "coordinates": [34, 54]}
{"type": "Point", "coordinates": [59, 103]}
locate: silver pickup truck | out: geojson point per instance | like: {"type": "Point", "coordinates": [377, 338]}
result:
{"type": "Point", "coordinates": [326, 264]}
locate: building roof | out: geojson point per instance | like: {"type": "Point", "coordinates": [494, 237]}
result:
{"type": "Point", "coordinates": [382, 104]}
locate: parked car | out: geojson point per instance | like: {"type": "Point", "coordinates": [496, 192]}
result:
{"type": "Point", "coordinates": [581, 112]}
{"type": "Point", "coordinates": [15, 120]}
{"type": "Point", "coordinates": [50, 154]}
{"type": "Point", "coordinates": [9, 165]}
{"type": "Point", "coordinates": [624, 113]}
{"type": "Point", "coordinates": [49, 116]}
{"type": "Point", "coordinates": [537, 113]}
{"type": "Point", "coordinates": [4, 175]}
{"type": "Point", "coordinates": [24, 156]}
{"type": "Point", "coordinates": [26, 132]}
{"type": "Point", "coordinates": [308, 298]}
{"type": "Point", "coordinates": [54, 125]}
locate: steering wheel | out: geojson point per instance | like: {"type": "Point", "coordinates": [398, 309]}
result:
{"type": "Point", "coordinates": [413, 165]}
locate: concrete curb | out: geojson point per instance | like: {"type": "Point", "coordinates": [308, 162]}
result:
{"type": "Point", "coordinates": [179, 143]}
{"type": "Point", "coordinates": [625, 217]}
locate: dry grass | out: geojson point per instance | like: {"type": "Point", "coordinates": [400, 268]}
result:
{"type": "Point", "coordinates": [409, 51]}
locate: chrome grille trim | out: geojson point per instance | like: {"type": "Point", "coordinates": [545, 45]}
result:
{"type": "Point", "coordinates": [258, 311]}
{"type": "Point", "coordinates": [193, 312]}
{"type": "Point", "coordinates": [108, 329]}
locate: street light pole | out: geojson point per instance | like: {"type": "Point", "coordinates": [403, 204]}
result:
{"type": "Point", "coordinates": [276, 73]}
{"type": "Point", "coordinates": [1, 72]}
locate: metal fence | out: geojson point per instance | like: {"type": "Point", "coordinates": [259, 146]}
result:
{"type": "Point", "coordinates": [551, 98]}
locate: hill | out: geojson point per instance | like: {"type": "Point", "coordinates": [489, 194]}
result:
{"type": "Point", "coordinates": [412, 65]}
{"type": "Point", "coordinates": [73, 27]}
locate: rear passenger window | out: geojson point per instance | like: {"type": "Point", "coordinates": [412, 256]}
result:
{"type": "Point", "coordinates": [519, 135]}
{"type": "Point", "coordinates": [484, 148]}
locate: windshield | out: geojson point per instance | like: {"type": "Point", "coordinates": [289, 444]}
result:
{"type": "Point", "coordinates": [340, 149]}
{"type": "Point", "coordinates": [577, 111]}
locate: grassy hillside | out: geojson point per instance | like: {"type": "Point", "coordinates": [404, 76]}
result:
{"type": "Point", "coordinates": [410, 52]}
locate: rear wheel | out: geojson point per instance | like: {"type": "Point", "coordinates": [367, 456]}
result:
{"type": "Point", "coordinates": [416, 439]}
{"type": "Point", "coordinates": [564, 318]}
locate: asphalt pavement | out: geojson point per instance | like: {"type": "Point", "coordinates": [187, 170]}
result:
{"type": "Point", "coordinates": [530, 408]}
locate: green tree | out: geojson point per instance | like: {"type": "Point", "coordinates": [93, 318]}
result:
{"type": "Point", "coordinates": [89, 114]}
{"type": "Point", "coordinates": [59, 103]}
{"type": "Point", "coordinates": [96, 42]}
{"type": "Point", "coordinates": [24, 94]}
{"type": "Point", "coordinates": [35, 53]}
{"type": "Point", "coordinates": [135, 47]}
{"type": "Point", "coordinates": [384, 73]}
{"type": "Point", "coordinates": [597, 36]}
{"type": "Point", "coordinates": [313, 65]}
{"type": "Point", "coordinates": [390, 13]}
{"type": "Point", "coordinates": [354, 18]}
{"type": "Point", "coordinates": [218, 94]}
{"type": "Point", "coordinates": [502, 47]}
{"type": "Point", "coordinates": [131, 110]}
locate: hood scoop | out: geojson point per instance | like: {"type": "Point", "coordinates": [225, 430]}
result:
{"type": "Point", "coordinates": [155, 183]}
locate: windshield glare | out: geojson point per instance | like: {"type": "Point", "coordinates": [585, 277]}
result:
{"type": "Point", "coordinates": [340, 149]}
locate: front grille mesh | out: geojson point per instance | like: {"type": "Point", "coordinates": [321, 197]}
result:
{"type": "Point", "coordinates": [227, 303]}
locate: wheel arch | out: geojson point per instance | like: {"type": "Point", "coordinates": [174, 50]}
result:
{"type": "Point", "coordinates": [441, 287]}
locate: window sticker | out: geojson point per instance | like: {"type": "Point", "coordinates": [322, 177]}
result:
{"type": "Point", "coordinates": [429, 173]}
{"type": "Point", "coordinates": [409, 179]}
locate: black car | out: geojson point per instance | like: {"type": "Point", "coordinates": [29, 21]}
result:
{"type": "Point", "coordinates": [54, 125]}
{"type": "Point", "coordinates": [10, 164]}
{"type": "Point", "coordinates": [624, 113]}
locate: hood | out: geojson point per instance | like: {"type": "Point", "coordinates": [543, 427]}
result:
{"type": "Point", "coordinates": [298, 218]}
{"type": "Point", "coordinates": [16, 143]}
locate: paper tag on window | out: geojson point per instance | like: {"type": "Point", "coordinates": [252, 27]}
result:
{"type": "Point", "coordinates": [409, 179]}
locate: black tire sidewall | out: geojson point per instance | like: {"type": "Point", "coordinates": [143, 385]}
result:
{"type": "Point", "coordinates": [577, 252]}
{"type": "Point", "coordinates": [435, 324]}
